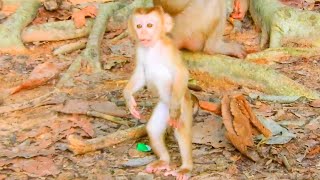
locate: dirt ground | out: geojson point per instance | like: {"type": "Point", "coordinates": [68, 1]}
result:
{"type": "Point", "coordinates": [33, 142]}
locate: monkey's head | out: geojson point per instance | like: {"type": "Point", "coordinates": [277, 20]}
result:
{"type": "Point", "coordinates": [147, 25]}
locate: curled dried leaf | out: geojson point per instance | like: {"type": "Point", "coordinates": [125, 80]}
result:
{"type": "Point", "coordinates": [241, 122]}
{"type": "Point", "coordinates": [226, 114]}
{"type": "Point", "coordinates": [253, 118]}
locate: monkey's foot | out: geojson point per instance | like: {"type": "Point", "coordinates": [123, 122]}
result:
{"type": "Point", "coordinates": [180, 174]}
{"type": "Point", "coordinates": [157, 166]}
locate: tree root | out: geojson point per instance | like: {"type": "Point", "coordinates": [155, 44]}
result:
{"type": "Point", "coordinates": [28, 104]}
{"type": "Point", "coordinates": [68, 48]}
{"type": "Point", "coordinates": [10, 30]}
{"type": "Point", "coordinates": [91, 54]}
{"type": "Point", "coordinates": [247, 73]}
{"type": "Point", "coordinates": [56, 31]}
{"type": "Point", "coordinates": [80, 146]}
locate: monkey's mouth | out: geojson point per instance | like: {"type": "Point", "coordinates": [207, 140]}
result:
{"type": "Point", "coordinates": [145, 41]}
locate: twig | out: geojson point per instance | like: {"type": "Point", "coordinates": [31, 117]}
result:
{"type": "Point", "coordinates": [80, 146]}
{"type": "Point", "coordinates": [68, 48]}
{"type": "Point", "coordinates": [107, 117]}
{"type": "Point", "coordinates": [286, 162]}
{"type": "Point", "coordinates": [27, 104]}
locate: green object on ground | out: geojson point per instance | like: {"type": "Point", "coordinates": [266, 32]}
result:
{"type": "Point", "coordinates": [143, 147]}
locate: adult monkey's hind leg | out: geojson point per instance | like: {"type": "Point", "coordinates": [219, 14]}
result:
{"type": "Point", "coordinates": [215, 42]}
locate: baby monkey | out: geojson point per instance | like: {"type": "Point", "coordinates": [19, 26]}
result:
{"type": "Point", "coordinates": [160, 67]}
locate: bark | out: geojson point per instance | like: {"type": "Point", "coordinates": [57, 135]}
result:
{"type": "Point", "coordinates": [10, 30]}
{"type": "Point", "coordinates": [247, 73]}
{"type": "Point", "coordinates": [278, 21]}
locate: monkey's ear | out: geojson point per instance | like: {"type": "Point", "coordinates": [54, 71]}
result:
{"type": "Point", "coordinates": [131, 30]}
{"type": "Point", "coordinates": [168, 22]}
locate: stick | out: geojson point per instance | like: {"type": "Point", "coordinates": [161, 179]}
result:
{"type": "Point", "coordinates": [107, 117]}
{"type": "Point", "coordinates": [26, 104]}
{"type": "Point", "coordinates": [80, 146]}
{"type": "Point", "coordinates": [68, 48]}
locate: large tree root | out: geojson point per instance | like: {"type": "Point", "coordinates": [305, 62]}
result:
{"type": "Point", "coordinates": [39, 101]}
{"type": "Point", "coordinates": [279, 21]}
{"type": "Point", "coordinates": [56, 31]}
{"type": "Point", "coordinates": [10, 30]}
{"type": "Point", "coordinates": [273, 54]}
{"type": "Point", "coordinates": [64, 30]}
{"type": "Point", "coordinates": [92, 52]}
{"type": "Point", "coordinates": [247, 73]}
{"type": "Point", "coordinates": [80, 146]}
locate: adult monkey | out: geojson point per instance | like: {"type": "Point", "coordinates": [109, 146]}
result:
{"type": "Point", "coordinates": [199, 26]}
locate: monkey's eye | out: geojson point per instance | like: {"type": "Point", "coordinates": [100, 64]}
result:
{"type": "Point", "coordinates": [149, 25]}
{"type": "Point", "coordinates": [139, 26]}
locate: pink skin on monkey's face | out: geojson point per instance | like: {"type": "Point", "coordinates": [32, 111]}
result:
{"type": "Point", "coordinates": [147, 28]}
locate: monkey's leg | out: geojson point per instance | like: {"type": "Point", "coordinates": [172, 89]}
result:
{"type": "Point", "coordinates": [156, 128]}
{"type": "Point", "coordinates": [184, 138]}
{"type": "Point", "coordinates": [216, 44]}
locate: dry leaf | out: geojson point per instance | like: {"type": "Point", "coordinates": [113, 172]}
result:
{"type": "Point", "coordinates": [240, 145]}
{"type": "Point", "coordinates": [315, 103]}
{"type": "Point", "coordinates": [241, 123]}
{"type": "Point", "coordinates": [209, 132]}
{"type": "Point", "coordinates": [77, 106]}
{"type": "Point", "coordinates": [253, 118]}
{"type": "Point", "coordinates": [314, 151]}
{"type": "Point", "coordinates": [226, 114]}
{"type": "Point", "coordinates": [79, 16]}
{"type": "Point", "coordinates": [39, 76]}
{"type": "Point", "coordinates": [84, 124]}
{"type": "Point", "coordinates": [44, 15]}
{"type": "Point", "coordinates": [37, 166]}
{"type": "Point", "coordinates": [209, 106]}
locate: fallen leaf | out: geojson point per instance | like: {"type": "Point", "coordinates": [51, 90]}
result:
{"type": "Point", "coordinates": [77, 106]}
{"type": "Point", "coordinates": [314, 151]}
{"type": "Point", "coordinates": [280, 135]}
{"type": "Point", "coordinates": [313, 124]}
{"type": "Point", "coordinates": [37, 166]}
{"type": "Point", "coordinates": [241, 146]}
{"type": "Point", "coordinates": [209, 132]}
{"type": "Point", "coordinates": [137, 162]}
{"type": "Point", "coordinates": [209, 106]}
{"type": "Point", "coordinates": [253, 118]}
{"type": "Point", "coordinates": [315, 103]}
{"type": "Point", "coordinates": [44, 16]}
{"type": "Point", "coordinates": [241, 123]}
{"type": "Point", "coordinates": [79, 16]}
{"type": "Point", "coordinates": [39, 76]}
{"type": "Point", "coordinates": [226, 114]}
{"type": "Point", "coordinates": [83, 124]}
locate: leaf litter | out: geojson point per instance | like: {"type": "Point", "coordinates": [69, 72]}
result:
{"type": "Point", "coordinates": [51, 136]}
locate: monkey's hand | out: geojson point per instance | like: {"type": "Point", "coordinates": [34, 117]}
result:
{"type": "Point", "coordinates": [132, 105]}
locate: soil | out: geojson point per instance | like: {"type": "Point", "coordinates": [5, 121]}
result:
{"type": "Point", "coordinates": [33, 140]}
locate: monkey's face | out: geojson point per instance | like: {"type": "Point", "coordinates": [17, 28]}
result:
{"type": "Point", "coordinates": [148, 28]}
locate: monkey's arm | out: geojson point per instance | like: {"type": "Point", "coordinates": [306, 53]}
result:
{"type": "Point", "coordinates": [136, 82]}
